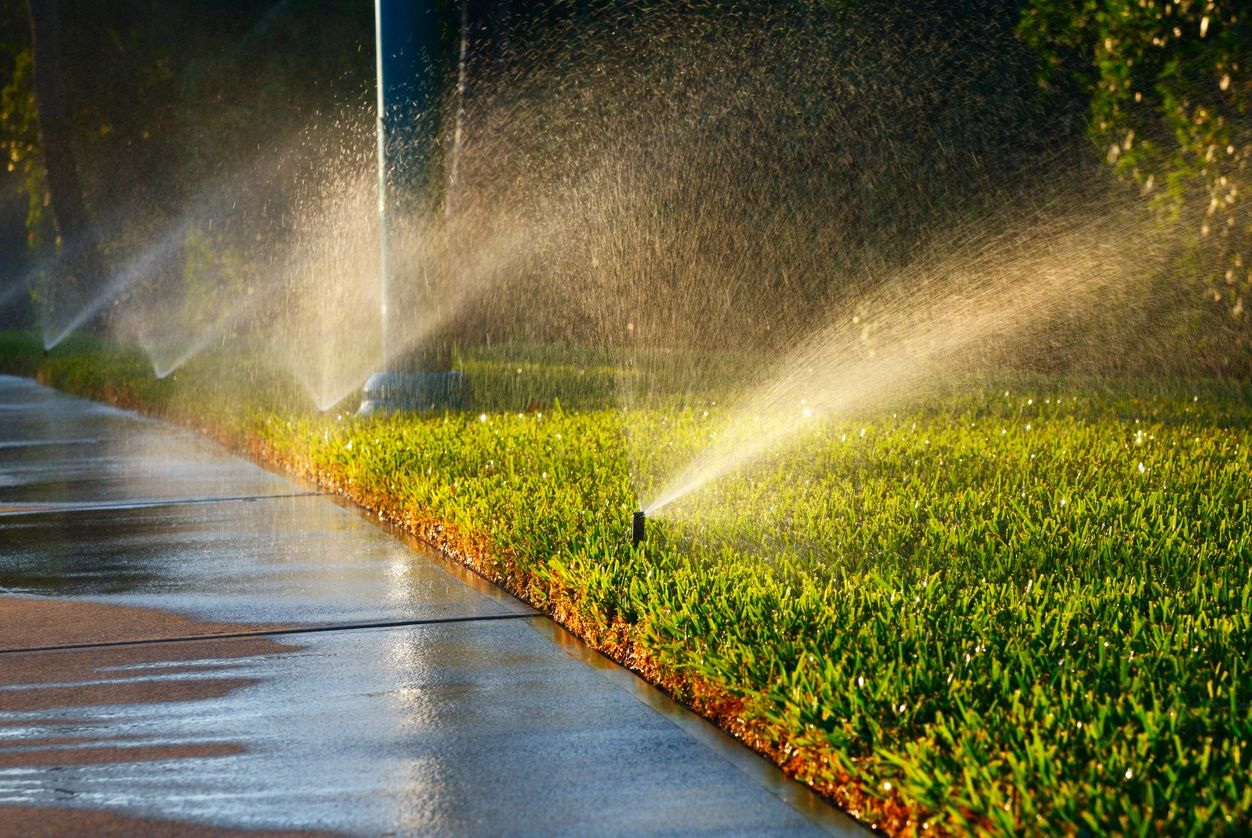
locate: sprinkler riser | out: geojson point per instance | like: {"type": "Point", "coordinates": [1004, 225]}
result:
{"type": "Point", "coordinates": [415, 392]}
{"type": "Point", "coordinates": [639, 532]}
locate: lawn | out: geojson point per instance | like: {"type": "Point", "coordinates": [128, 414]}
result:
{"type": "Point", "coordinates": [1017, 606]}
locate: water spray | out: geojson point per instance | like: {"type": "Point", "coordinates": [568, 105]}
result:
{"type": "Point", "coordinates": [639, 532]}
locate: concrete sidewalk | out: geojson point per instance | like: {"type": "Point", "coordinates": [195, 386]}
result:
{"type": "Point", "coordinates": [425, 701]}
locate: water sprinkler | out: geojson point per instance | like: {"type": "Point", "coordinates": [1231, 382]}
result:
{"type": "Point", "coordinates": [638, 535]}
{"type": "Point", "coordinates": [385, 392]}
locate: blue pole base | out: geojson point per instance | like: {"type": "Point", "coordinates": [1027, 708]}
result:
{"type": "Point", "coordinates": [412, 392]}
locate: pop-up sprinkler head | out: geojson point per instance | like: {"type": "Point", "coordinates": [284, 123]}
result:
{"type": "Point", "coordinates": [637, 536]}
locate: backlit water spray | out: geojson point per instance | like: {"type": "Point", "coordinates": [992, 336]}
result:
{"type": "Point", "coordinates": [59, 321]}
{"type": "Point", "coordinates": [938, 317]}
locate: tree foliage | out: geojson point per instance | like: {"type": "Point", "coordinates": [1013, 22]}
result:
{"type": "Point", "coordinates": [1170, 93]}
{"type": "Point", "coordinates": [19, 126]}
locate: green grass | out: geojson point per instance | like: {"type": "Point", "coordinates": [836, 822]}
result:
{"type": "Point", "coordinates": [1011, 610]}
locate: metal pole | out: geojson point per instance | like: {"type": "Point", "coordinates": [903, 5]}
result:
{"type": "Point", "coordinates": [407, 48]}
{"type": "Point", "coordinates": [381, 132]}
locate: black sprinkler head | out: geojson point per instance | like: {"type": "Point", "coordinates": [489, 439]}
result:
{"type": "Point", "coordinates": [637, 536]}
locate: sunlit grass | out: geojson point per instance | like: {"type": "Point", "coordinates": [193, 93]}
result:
{"type": "Point", "coordinates": [1023, 608]}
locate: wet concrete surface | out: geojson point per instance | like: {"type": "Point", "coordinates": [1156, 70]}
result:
{"type": "Point", "coordinates": [496, 723]}
{"type": "Point", "coordinates": [55, 449]}
{"type": "Point", "coordinates": [275, 560]}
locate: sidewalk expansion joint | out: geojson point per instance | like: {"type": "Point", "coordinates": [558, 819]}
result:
{"type": "Point", "coordinates": [46, 443]}
{"type": "Point", "coordinates": [14, 509]}
{"type": "Point", "coordinates": [276, 632]}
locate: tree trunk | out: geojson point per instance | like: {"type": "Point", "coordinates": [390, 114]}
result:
{"type": "Point", "coordinates": [80, 248]}
{"type": "Point", "coordinates": [15, 310]}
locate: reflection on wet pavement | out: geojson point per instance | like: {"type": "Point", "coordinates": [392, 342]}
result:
{"type": "Point", "coordinates": [284, 560]}
{"type": "Point", "coordinates": [434, 728]}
